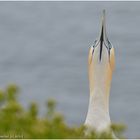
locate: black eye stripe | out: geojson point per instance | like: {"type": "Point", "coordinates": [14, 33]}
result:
{"type": "Point", "coordinates": [108, 45]}
{"type": "Point", "coordinates": [92, 51]}
{"type": "Point", "coordinates": [96, 43]}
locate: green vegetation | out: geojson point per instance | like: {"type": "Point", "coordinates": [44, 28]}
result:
{"type": "Point", "coordinates": [16, 122]}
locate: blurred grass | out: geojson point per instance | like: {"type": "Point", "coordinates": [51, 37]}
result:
{"type": "Point", "coordinates": [16, 122]}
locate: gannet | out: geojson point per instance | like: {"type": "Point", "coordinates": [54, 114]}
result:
{"type": "Point", "coordinates": [101, 63]}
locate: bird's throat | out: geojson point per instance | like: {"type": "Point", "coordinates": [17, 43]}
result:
{"type": "Point", "coordinates": [98, 111]}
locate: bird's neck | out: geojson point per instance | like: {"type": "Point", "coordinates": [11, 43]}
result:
{"type": "Point", "coordinates": [98, 110]}
{"type": "Point", "coordinates": [99, 101]}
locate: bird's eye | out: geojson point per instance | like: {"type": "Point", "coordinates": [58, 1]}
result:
{"type": "Point", "coordinates": [93, 46]}
{"type": "Point", "coordinates": [109, 45]}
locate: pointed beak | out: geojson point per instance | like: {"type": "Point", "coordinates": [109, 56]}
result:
{"type": "Point", "coordinates": [102, 36]}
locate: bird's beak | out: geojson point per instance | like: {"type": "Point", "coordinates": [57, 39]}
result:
{"type": "Point", "coordinates": [102, 36]}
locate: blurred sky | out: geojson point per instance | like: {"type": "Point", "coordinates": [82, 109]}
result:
{"type": "Point", "coordinates": [44, 48]}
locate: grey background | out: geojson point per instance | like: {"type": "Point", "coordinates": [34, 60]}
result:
{"type": "Point", "coordinates": [44, 48]}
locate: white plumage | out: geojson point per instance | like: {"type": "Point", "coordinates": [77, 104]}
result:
{"type": "Point", "coordinates": [101, 63]}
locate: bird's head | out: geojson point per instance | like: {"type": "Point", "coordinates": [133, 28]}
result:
{"type": "Point", "coordinates": [101, 58]}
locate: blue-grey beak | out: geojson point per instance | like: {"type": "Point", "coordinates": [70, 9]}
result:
{"type": "Point", "coordinates": [102, 36]}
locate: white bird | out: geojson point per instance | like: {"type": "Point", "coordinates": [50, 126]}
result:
{"type": "Point", "coordinates": [101, 62]}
